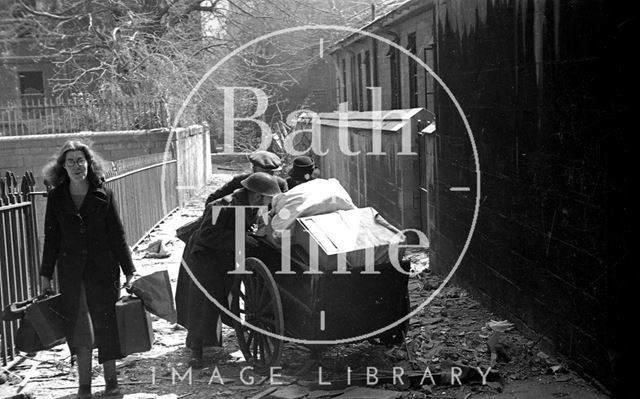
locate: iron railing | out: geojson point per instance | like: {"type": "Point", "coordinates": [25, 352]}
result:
{"type": "Point", "coordinates": [18, 251]}
{"type": "Point", "coordinates": [143, 199]}
{"type": "Point", "coordinates": [47, 116]}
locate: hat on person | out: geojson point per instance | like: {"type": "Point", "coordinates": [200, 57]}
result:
{"type": "Point", "coordinates": [262, 183]}
{"type": "Point", "coordinates": [302, 169]}
{"type": "Point", "coordinates": [265, 160]}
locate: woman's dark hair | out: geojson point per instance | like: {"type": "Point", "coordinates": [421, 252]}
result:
{"type": "Point", "coordinates": [55, 174]}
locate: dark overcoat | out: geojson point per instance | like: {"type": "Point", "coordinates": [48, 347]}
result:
{"type": "Point", "coordinates": [209, 254]}
{"type": "Point", "coordinates": [87, 246]}
{"type": "Point", "coordinates": [236, 183]}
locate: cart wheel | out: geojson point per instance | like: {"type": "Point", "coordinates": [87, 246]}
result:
{"type": "Point", "coordinates": [257, 301]}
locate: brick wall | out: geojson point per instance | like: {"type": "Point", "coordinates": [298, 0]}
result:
{"type": "Point", "coordinates": [546, 93]}
{"type": "Point", "coordinates": [191, 147]}
{"type": "Point", "coordinates": [21, 153]}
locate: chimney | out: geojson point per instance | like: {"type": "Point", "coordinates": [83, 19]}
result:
{"type": "Point", "coordinates": [373, 11]}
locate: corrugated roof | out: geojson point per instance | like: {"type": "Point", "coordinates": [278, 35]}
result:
{"type": "Point", "coordinates": [389, 121]}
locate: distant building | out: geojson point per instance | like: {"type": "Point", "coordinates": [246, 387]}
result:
{"type": "Point", "coordinates": [26, 68]}
{"type": "Point", "coordinates": [362, 61]}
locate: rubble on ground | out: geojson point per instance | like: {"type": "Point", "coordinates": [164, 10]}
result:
{"type": "Point", "coordinates": [450, 338]}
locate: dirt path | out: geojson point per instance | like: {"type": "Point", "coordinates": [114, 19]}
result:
{"type": "Point", "coordinates": [452, 333]}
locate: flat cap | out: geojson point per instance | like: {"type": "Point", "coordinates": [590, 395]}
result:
{"type": "Point", "coordinates": [265, 160]}
{"type": "Point", "coordinates": [262, 183]}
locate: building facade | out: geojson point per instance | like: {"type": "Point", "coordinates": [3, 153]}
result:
{"type": "Point", "coordinates": [362, 62]}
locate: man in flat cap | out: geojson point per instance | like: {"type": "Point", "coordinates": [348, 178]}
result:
{"type": "Point", "coordinates": [261, 161]}
{"type": "Point", "coordinates": [210, 255]}
{"type": "Point", "coordinates": [302, 171]}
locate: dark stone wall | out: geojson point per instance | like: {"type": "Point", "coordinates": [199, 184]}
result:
{"type": "Point", "coordinates": [547, 89]}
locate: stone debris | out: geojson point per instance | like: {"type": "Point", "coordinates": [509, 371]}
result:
{"type": "Point", "coordinates": [368, 393]}
{"type": "Point", "coordinates": [289, 392]}
{"type": "Point", "coordinates": [452, 330]}
{"type": "Point", "coordinates": [156, 249]}
{"type": "Point", "coordinates": [500, 326]}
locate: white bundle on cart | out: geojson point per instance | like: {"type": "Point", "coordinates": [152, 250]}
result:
{"type": "Point", "coordinates": [316, 197]}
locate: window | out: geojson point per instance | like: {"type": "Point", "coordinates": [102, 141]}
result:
{"type": "Point", "coordinates": [413, 72]}
{"type": "Point", "coordinates": [354, 87]}
{"type": "Point", "coordinates": [367, 78]}
{"type": "Point", "coordinates": [31, 86]}
{"type": "Point", "coordinates": [360, 105]}
{"type": "Point", "coordinates": [344, 79]}
{"type": "Point", "coordinates": [429, 87]}
{"type": "Point", "coordinates": [394, 64]}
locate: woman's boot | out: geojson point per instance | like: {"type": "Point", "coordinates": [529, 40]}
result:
{"type": "Point", "coordinates": [111, 387]}
{"type": "Point", "coordinates": [83, 356]}
{"type": "Point", "coordinates": [196, 353]}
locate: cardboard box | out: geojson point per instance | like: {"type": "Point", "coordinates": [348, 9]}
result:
{"type": "Point", "coordinates": [349, 239]}
{"type": "Point", "coordinates": [134, 326]}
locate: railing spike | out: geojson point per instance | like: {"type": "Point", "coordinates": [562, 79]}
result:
{"type": "Point", "coordinates": [32, 179]}
{"type": "Point", "coordinates": [3, 191]}
{"type": "Point", "coordinates": [14, 182]}
{"type": "Point", "coordinates": [24, 186]}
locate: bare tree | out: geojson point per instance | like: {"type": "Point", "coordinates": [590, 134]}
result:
{"type": "Point", "coordinates": [162, 48]}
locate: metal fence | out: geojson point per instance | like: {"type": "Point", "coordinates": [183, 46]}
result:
{"type": "Point", "coordinates": [143, 199]}
{"type": "Point", "coordinates": [18, 251]}
{"type": "Point", "coordinates": [47, 116]}
{"type": "Point", "coordinates": [143, 196]}
{"type": "Point", "coordinates": [124, 165]}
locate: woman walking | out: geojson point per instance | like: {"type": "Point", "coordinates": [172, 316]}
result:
{"type": "Point", "coordinates": [85, 240]}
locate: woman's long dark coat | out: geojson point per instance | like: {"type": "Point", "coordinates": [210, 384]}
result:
{"type": "Point", "coordinates": [87, 246]}
{"type": "Point", "coordinates": [210, 255]}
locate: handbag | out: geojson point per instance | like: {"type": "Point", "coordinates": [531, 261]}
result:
{"type": "Point", "coordinates": [47, 319]}
{"type": "Point", "coordinates": [27, 338]}
{"type": "Point", "coordinates": [155, 292]}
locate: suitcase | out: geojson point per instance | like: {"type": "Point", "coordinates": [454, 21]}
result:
{"type": "Point", "coordinates": [45, 315]}
{"type": "Point", "coordinates": [134, 326]}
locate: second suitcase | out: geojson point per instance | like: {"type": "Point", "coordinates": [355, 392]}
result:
{"type": "Point", "coordinates": [46, 317]}
{"type": "Point", "coordinates": [134, 326]}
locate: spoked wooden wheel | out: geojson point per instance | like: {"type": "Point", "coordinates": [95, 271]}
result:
{"type": "Point", "coordinates": [257, 302]}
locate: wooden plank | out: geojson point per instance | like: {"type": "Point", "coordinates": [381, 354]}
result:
{"type": "Point", "coordinates": [28, 376]}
